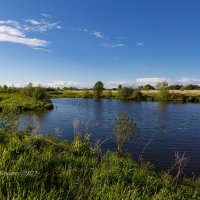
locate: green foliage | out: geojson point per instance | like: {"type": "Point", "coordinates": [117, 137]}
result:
{"type": "Point", "coordinates": [39, 93]}
{"type": "Point", "coordinates": [86, 94]}
{"type": "Point", "coordinates": [44, 167]}
{"type": "Point", "coordinates": [164, 95]}
{"type": "Point", "coordinates": [174, 87]}
{"type": "Point", "coordinates": [136, 96]}
{"type": "Point", "coordinates": [23, 102]}
{"type": "Point", "coordinates": [190, 87]}
{"type": "Point", "coordinates": [109, 94]}
{"type": "Point", "coordinates": [98, 89]}
{"type": "Point", "coordinates": [162, 85]}
{"type": "Point", "coordinates": [125, 129]}
{"type": "Point", "coordinates": [125, 93]}
{"type": "Point", "coordinates": [148, 87]}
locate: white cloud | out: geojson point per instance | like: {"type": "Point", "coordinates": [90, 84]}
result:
{"type": "Point", "coordinates": [98, 34]}
{"type": "Point", "coordinates": [115, 84]}
{"type": "Point", "coordinates": [7, 30]}
{"type": "Point", "coordinates": [40, 26]}
{"type": "Point", "coordinates": [83, 29]}
{"type": "Point", "coordinates": [113, 45]}
{"type": "Point", "coordinates": [62, 84]}
{"type": "Point", "coordinates": [17, 32]}
{"type": "Point", "coordinates": [33, 21]}
{"type": "Point", "coordinates": [187, 80]}
{"type": "Point", "coordinates": [140, 44]}
{"type": "Point", "coordinates": [32, 42]}
{"type": "Point", "coordinates": [151, 81]}
{"type": "Point", "coordinates": [46, 15]}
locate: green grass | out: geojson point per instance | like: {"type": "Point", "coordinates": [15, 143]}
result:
{"type": "Point", "coordinates": [74, 170]}
{"type": "Point", "coordinates": [22, 102]}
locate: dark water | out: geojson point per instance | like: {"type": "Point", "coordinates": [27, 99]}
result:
{"type": "Point", "coordinates": [166, 128]}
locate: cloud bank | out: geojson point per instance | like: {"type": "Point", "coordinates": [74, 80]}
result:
{"type": "Point", "coordinates": [113, 84]}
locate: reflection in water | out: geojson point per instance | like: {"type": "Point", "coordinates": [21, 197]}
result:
{"type": "Point", "coordinates": [163, 115]}
{"type": "Point", "coordinates": [181, 122]}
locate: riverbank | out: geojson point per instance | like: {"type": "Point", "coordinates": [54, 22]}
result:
{"type": "Point", "coordinates": [143, 95]}
{"type": "Point", "coordinates": [36, 166]}
{"type": "Point", "coordinates": [23, 103]}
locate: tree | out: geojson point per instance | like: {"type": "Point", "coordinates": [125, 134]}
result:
{"type": "Point", "coordinates": [125, 129]}
{"type": "Point", "coordinates": [164, 93]}
{"type": "Point", "coordinates": [98, 89]}
{"type": "Point", "coordinates": [148, 87]}
{"type": "Point", "coordinates": [125, 93]}
{"type": "Point", "coordinates": [162, 85]}
{"type": "Point", "coordinates": [174, 87]}
{"type": "Point", "coordinates": [119, 87]}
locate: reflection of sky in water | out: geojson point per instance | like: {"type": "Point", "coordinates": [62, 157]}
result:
{"type": "Point", "coordinates": [164, 128]}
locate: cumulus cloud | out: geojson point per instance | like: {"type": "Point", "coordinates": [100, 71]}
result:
{"type": "Point", "coordinates": [112, 84]}
{"type": "Point", "coordinates": [151, 81]}
{"type": "Point", "coordinates": [17, 32]}
{"type": "Point", "coordinates": [115, 84]}
{"type": "Point", "coordinates": [187, 80]}
{"type": "Point", "coordinates": [62, 84]}
{"type": "Point", "coordinates": [113, 45]}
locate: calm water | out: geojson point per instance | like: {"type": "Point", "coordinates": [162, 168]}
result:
{"type": "Point", "coordinates": [167, 128]}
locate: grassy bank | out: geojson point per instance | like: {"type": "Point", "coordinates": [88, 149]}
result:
{"type": "Point", "coordinates": [23, 102]}
{"type": "Point", "coordinates": [33, 166]}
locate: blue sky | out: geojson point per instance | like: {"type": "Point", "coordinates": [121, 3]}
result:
{"type": "Point", "coordinates": [78, 42]}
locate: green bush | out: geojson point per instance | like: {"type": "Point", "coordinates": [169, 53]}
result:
{"type": "Point", "coordinates": [125, 93]}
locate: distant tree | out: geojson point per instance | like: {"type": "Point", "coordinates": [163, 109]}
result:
{"type": "Point", "coordinates": [174, 87]}
{"type": "Point", "coordinates": [164, 93]}
{"type": "Point", "coordinates": [30, 85]}
{"type": "Point", "coordinates": [148, 87]}
{"type": "Point", "coordinates": [119, 87]}
{"type": "Point", "coordinates": [140, 87]}
{"type": "Point", "coordinates": [125, 129]}
{"type": "Point", "coordinates": [162, 85]}
{"type": "Point", "coordinates": [5, 87]}
{"type": "Point", "coordinates": [125, 93]}
{"type": "Point", "coordinates": [190, 87]}
{"type": "Point", "coordinates": [98, 89]}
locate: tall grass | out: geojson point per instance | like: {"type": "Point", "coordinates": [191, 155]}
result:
{"type": "Point", "coordinates": [36, 166]}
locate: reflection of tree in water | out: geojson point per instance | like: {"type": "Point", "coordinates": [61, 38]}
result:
{"type": "Point", "coordinates": [36, 122]}
{"type": "Point", "coordinates": [163, 116]}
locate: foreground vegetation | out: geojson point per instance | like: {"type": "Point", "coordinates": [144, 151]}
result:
{"type": "Point", "coordinates": [34, 166]}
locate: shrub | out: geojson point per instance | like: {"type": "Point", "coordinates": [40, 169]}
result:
{"type": "Point", "coordinates": [125, 93]}
{"type": "Point", "coordinates": [125, 129]}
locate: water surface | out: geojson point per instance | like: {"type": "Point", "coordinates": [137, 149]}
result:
{"type": "Point", "coordinates": [164, 128]}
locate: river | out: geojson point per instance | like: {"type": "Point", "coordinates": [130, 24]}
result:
{"type": "Point", "coordinates": [163, 128]}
